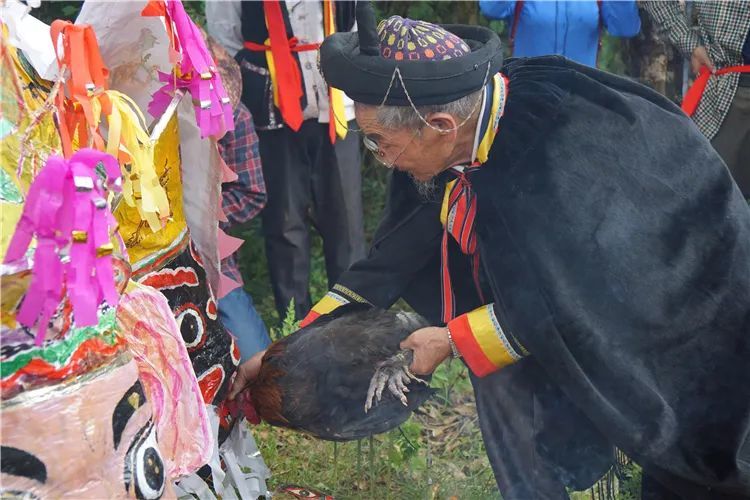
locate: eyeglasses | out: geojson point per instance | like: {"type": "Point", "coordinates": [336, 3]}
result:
{"type": "Point", "coordinates": [373, 147]}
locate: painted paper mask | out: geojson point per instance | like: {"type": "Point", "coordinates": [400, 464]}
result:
{"type": "Point", "coordinates": [93, 437]}
{"type": "Point", "coordinates": [75, 420]}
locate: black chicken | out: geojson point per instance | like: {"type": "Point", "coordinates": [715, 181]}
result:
{"type": "Point", "coordinates": [343, 377]}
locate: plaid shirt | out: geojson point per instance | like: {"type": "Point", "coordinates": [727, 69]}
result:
{"type": "Point", "coordinates": [244, 198]}
{"type": "Point", "coordinates": [722, 28]}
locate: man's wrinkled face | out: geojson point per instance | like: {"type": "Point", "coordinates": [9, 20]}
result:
{"type": "Point", "coordinates": [421, 152]}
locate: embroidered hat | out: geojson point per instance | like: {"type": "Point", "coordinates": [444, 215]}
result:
{"type": "Point", "coordinates": [415, 67]}
{"type": "Point", "coordinates": [418, 40]}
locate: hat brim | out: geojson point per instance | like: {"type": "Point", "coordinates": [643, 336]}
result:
{"type": "Point", "coordinates": [366, 78]}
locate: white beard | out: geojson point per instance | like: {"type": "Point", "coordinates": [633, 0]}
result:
{"type": "Point", "coordinates": [427, 189]}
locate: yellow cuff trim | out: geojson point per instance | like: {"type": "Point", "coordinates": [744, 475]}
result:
{"type": "Point", "coordinates": [490, 337]}
{"type": "Point", "coordinates": [329, 302]}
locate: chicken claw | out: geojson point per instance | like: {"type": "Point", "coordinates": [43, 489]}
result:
{"type": "Point", "coordinates": [394, 374]}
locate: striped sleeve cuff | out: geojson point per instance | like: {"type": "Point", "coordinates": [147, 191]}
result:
{"type": "Point", "coordinates": [482, 342]}
{"type": "Point", "coordinates": [335, 298]}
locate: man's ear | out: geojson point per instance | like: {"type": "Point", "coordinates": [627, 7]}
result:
{"type": "Point", "coordinates": [445, 123]}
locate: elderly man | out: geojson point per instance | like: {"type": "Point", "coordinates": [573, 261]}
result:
{"type": "Point", "coordinates": [582, 246]}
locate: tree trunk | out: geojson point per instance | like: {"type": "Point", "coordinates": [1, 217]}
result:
{"type": "Point", "coordinates": [653, 61]}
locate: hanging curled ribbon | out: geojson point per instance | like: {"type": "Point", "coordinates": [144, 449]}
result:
{"type": "Point", "coordinates": [67, 211]}
{"type": "Point", "coordinates": [80, 118]}
{"type": "Point", "coordinates": [195, 71]}
{"type": "Point", "coordinates": [129, 142]}
{"type": "Point", "coordinates": [88, 79]}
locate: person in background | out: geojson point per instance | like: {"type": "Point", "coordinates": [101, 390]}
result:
{"type": "Point", "coordinates": [310, 164]}
{"type": "Point", "coordinates": [571, 29]}
{"type": "Point", "coordinates": [719, 102]}
{"type": "Point", "coordinates": [242, 199]}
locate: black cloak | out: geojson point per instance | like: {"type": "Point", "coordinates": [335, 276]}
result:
{"type": "Point", "coordinates": [617, 250]}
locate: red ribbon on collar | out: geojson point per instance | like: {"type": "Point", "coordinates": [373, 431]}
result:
{"type": "Point", "coordinates": [460, 221]}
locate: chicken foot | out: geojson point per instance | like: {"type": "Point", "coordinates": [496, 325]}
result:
{"type": "Point", "coordinates": [394, 374]}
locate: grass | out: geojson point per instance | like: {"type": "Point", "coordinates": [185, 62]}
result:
{"type": "Point", "coordinates": [437, 454]}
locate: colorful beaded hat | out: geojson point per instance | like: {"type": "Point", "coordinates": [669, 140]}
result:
{"type": "Point", "coordinates": [418, 41]}
{"type": "Point", "coordinates": [406, 62]}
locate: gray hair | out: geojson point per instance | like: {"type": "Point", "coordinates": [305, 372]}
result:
{"type": "Point", "coordinates": [399, 117]}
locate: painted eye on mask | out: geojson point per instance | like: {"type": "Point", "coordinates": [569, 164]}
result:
{"type": "Point", "coordinates": [144, 467]}
{"type": "Point", "coordinates": [192, 326]}
{"type": "Point", "coordinates": [20, 464]}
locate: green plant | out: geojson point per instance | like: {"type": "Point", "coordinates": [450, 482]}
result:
{"type": "Point", "coordinates": [630, 483]}
{"type": "Point", "coordinates": [50, 11]}
{"type": "Point", "coordinates": [288, 326]}
{"type": "Point", "coordinates": [449, 377]}
{"type": "Point", "coordinates": [196, 10]}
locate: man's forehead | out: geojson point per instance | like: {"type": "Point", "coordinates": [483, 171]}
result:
{"type": "Point", "coordinates": [367, 118]}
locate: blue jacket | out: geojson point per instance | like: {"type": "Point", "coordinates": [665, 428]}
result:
{"type": "Point", "coordinates": [568, 28]}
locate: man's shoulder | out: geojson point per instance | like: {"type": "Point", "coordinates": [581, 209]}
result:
{"type": "Point", "coordinates": [568, 74]}
{"type": "Point", "coordinates": [561, 80]}
{"type": "Point", "coordinates": [555, 103]}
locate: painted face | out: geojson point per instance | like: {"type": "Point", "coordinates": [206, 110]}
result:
{"type": "Point", "coordinates": [93, 438]}
{"type": "Point", "coordinates": [167, 261]}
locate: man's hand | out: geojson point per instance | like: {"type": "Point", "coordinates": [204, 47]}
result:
{"type": "Point", "coordinates": [700, 58]}
{"type": "Point", "coordinates": [246, 373]}
{"type": "Point", "coordinates": [430, 346]}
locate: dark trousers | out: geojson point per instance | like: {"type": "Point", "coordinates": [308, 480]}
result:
{"type": "Point", "coordinates": [309, 181]}
{"type": "Point", "coordinates": [732, 141]}
{"type": "Point", "coordinates": [537, 441]}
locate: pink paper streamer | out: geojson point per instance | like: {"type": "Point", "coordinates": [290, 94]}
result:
{"type": "Point", "coordinates": [226, 285]}
{"type": "Point", "coordinates": [213, 111]}
{"type": "Point", "coordinates": [67, 196]}
{"type": "Point", "coordinates": [220, 213]}
{"type": "Point", "coordinates": [227, 246]}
